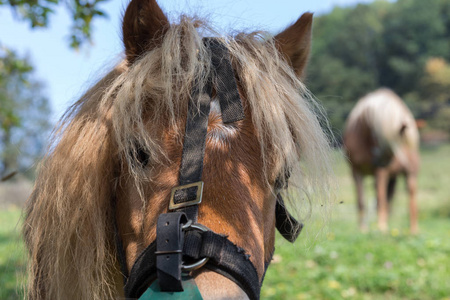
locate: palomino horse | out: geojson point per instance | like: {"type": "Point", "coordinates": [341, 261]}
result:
{"type": "Point", "coordinates": [119, 157]}
{"type": "Point", "coordinates": [381, 139]}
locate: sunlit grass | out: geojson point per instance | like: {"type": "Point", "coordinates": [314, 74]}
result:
{"type": "Point", "coordinates": [346, 264]}
{"type": "Point", "coordinates": [12, 263]}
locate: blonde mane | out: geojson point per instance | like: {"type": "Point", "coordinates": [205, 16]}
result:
{"type": "Point", "coordinates": [69, 219]}
{"type": "Point", "coordinates": [385, 113]}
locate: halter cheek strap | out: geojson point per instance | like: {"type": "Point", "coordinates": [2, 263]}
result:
{"type": "Point", "coordinates": [181, 244]}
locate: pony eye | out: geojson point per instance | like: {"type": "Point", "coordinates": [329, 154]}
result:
{"type": "Point", "coordinates": [142, 157]}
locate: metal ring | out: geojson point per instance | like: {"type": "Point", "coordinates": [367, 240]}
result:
{"type": "Point", "coordinates": [187, 225]}
{"type": "Point", "coordinates": [194, 266]}
{"type": "Point", "coordinates": [190, 225]}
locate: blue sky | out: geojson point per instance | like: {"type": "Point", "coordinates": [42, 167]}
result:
{"type": "Point", "coordinates": [68, 73]}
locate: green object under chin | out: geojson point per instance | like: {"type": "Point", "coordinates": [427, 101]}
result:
{"type": "Point", "coordinates": [191, 291]}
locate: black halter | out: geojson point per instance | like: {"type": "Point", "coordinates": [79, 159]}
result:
{"type": "Point", "coordinates": [181, 244]}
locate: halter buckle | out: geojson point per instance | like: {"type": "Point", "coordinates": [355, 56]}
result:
{"type": "Point", "coordinates": [196, 201]}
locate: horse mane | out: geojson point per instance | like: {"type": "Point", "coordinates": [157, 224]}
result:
{"type": "Point", "coordinates": [68, 226]}
{"type": "Point", "coordinates": [390, 120]}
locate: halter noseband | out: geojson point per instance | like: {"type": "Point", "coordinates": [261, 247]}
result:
{"type": "Point", "coordinates": [182, 245]}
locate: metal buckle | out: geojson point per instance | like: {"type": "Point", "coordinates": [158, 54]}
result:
{"type": "Point", "coordinates": [196, 265]}
{"type": "Point", "coordinates": [197, 200]}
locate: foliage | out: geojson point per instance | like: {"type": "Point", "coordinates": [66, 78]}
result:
{"type": "Point", "coordinates": [37, 13]}
{"type": "Point", "coordinates": [436, 83]}
{"type": "Point", "coordinates": [24, 113]}
{"type": "Point", "coordinates": [361, 48]}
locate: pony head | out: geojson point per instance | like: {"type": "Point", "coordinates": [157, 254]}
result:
{"type": "Point", "coordinates": [116, 154]}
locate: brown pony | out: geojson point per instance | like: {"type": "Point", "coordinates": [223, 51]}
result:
{"type": "Point", "coordinates": [381, 139]}
{"type": "Point", "coordinates": [92, 178]}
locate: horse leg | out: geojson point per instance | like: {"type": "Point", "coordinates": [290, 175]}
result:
{"type": "Point", "coordinates": [381, 182]}
{"type": "Point", "coordinates": [362, 218]}
{"type": "Point", "coordinates": [411, 181]}
{"type": "Point", "coordinates": [391, 190]}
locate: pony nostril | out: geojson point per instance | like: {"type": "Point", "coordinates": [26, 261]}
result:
{"type": "Point", "coordinates": [167, 257]}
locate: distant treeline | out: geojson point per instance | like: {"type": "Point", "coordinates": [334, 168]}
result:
{"type": "Point", "coordinates": [403, 45]}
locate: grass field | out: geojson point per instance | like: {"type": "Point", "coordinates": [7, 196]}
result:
{"type": "Point", "coordinates": [342, 263]}
{"type": "Point", "coordinates": [12, 262]}
{"type": "Point", "coordinates": [339, 263]}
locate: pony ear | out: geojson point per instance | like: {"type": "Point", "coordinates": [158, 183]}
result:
{"type": "Point", "coordinates": [295, 43]}
{"type": "Point", "coordinates": [144, 26]}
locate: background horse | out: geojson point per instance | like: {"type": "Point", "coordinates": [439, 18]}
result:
{"type": "Point", "coordinates": [116, 156]}
{"type": "Point", "coordinates": [381, 139]}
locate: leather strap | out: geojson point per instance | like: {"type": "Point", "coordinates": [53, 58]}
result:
{"type": "Point", "coordinates": [194, 148]}
{"type": "Point", "coordinates": [223, 79]}
{"type": "Point", "coordinates": [169, 250]}
{"type": "Point", "coordinates": [225, 258]}
{"type": "Point", "coordinates": [286, 224]}
{"type": "Point", "coordinates": [142, 273]}
{"type": "Point", "coordinates": [225, 82]}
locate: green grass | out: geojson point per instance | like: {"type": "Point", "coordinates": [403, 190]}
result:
{"type": "Point", "coordinates": [12, 262]}
{"type": "Point", "coordinates": [340, 263]}
{"type": "Point", "coordinates": [346, 264]}
{"type": "Point", "coordinates": [350, 265]}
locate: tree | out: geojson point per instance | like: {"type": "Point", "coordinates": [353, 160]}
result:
{"type": "Point", "coordinates": [37, 13]}
{"type": "Point", "coordinates": [414, 31]}
{"type": "Point", "coordinates": [435, 90]}
{"type": "Point", "coordinates": [401, 45]}
{"type": "Point", "coordinates": [345, 53]}
{"type": "Point", "coordinates": [24, 110]}
{"type": "Point", "coordinates": [23, 114]}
